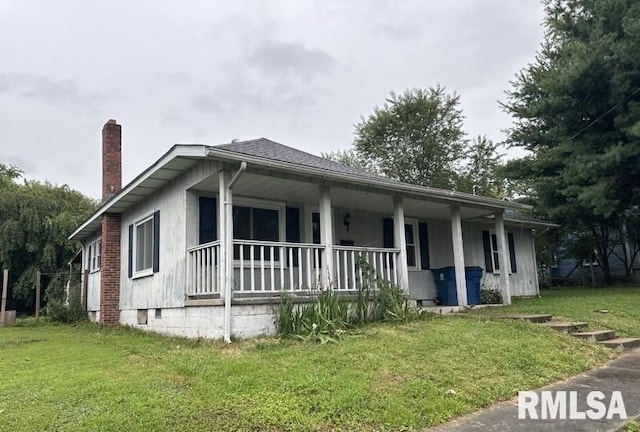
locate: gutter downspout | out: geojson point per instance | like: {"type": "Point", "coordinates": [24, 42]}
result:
{"type": "Point", "coordinates": [228, 280]}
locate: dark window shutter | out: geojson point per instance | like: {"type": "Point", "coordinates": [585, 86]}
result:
{"type": "Point", "coordinates": [512, 253]}
{"type": "Point", "coordinates": [486, 242]}
{"type": "Point", "coordinates": [293, 232]}
{"type": "Point", "coordinates": [208, 218]}
{"type": "Point", "coordinates": [156, 241]}
{"type": "Point", "coordinates": [387, 233]}
{"type": "Point", "coordinates": [130, 260]}
{"type": "Point", "coordinates": [423, 234]}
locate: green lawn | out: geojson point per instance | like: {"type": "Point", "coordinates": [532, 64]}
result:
{"type": "Point", "coordinates": [581, 304]}
{"type": "Point", "coordinates": [382, 377]}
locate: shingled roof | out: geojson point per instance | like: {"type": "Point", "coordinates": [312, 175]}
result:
{"type": "Point", "coordinates": [268, 149]}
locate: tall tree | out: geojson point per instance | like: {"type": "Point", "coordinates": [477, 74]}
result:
{"type": "Point", "coordinates": [416, 137]}
{"type": "Point", "coordinates": [35, 222]}
{"type": "Point", "coordinates": [577, 110]}
{"type": "Point", "coordinates": [480, 175]}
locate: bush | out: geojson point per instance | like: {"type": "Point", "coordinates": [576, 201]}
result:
{"type": "Point", "coordinates": [490, 296]}
{"type": "Point", "coordinates": [57, 310]}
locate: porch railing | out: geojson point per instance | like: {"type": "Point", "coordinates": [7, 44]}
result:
{"type": "Point", "coordinates": [262, 266]}
{"type": "Point", "coordinates": [271, 267]}
{"type": "Point", "coordinates": [353, 263]}
{"type": "Point", "coordinates": [203, 274]}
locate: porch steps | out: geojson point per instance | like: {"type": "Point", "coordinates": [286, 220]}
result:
{"type": "Point", "coordinates": [566, 327]}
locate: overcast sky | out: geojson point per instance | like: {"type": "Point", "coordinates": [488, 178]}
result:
{"type": "Point", "coordinates": [298, 72]}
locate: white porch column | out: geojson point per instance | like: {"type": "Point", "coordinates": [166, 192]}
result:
{"type": "Point", "coordinates": [503, 258]}
{"type": "Point", "coordinates": [458, 255]}
{"type": "Point", "coordinates": [326, 236]}
{"type": "Point", "coordinates": [400, 242]}
{"type": "Point", "coordinates": [225, 271]}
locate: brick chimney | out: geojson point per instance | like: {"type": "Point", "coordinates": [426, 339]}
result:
{"type": "Point", "coordinates": [110, 258]}
{"type": "Point", "coordinates": [111, 159]}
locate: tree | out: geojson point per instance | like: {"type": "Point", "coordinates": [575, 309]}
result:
{"type": "Point", "coordinates": [481, 173]}
{"type": "Point", "coordinates": [352, 158]}
{"type": "Point", "coordinates": [35, 222]}
{"type": "Point", "coordinates": [577, 110]}
{"type": "Point", "coordinates": [415, 137]}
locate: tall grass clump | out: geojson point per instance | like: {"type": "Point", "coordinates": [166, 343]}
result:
{"type": "Point", "coordinates": [328, 315]}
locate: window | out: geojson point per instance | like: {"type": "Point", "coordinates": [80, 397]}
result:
{"type": "Point", "coordinates": [492, 252]}
{"type": "Point", "coordinates": [256, 223]}
{"type": "Point", "coordinates": [144, 246]}
{"type": "Point", "coordinates": [495, 254]}
{"type": "Point", "coordinates": [95, 250]}
{"type": "Point", "coordinates": [416, 239]}
{"type": "Point", "coordinates": [412, 249]}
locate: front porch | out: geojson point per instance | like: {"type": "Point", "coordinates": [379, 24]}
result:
{"type": "Point", "coordinates": [276, 233]}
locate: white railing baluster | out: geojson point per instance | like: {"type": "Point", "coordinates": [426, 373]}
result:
{"type": "Point", "coordinates": [309, 269]}
{"type": "Point", "coordinates": [336, 260]}
{"type": "Point", "coordinates": [300, 268]}
{"type": "Point", "coordinates": [273, 269]}
{"type": "Point", "coordinates": [241, 286]}
{"type": "Point", "coordinates": [252, 264]}
{"type": "Point", "coordinates": [261, 268]}
{"type": "Point", "coordinates": [290, 250]}
{"type": "Point", "coordinates": [316, 268]}
{"type": "Point", "coordinates": [281, 259]}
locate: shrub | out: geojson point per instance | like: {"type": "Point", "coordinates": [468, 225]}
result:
{"type": "Point", "coordinates": [57, 310]}
{"type": "Point", "coordinates": [490, 296]}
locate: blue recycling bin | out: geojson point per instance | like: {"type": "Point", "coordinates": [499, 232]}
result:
{"type": "Point", "coordinates": [445, 279]}
{"type": "Point", "coordinates": [473, 276]}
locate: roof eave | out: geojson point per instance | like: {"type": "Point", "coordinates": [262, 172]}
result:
{"type": "Point", "coordinates": [178, 150]}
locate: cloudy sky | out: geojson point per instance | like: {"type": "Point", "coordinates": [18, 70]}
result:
{"type": "Point", "coordinates": [299, 72]}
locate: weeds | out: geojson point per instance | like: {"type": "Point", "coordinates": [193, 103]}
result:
{"type": "Point", "coordinates": [329, 314]}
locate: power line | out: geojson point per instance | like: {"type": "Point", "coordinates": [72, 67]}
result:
{"type": "Point", "coordinates": [605, 114]}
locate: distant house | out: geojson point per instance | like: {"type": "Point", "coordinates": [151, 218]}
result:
{"type": "Point", "coordinates": [566, 269]}
{"type": "Point", "coordinates": [206, 239]}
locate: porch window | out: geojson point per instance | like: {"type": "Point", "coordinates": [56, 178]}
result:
{"type": "Point", "coordinates": [492, 252]}
{"type": "Point", "coordinates": [416, 239]}
{"type": "Point", "coordinates": [95, 250]}
{"type": "Point", "coordinates": [255, 223]}
{"type": "Point", "coordinates": [412, 250]}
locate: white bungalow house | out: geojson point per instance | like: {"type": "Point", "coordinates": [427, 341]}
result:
{"type": "Point", "coordinates": [206, 239]}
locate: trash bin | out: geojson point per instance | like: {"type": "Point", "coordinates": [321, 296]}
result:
{"type": "Point", "coordinates": [445, 279]}
{"type": "Point", "coordinates": [473, 276]}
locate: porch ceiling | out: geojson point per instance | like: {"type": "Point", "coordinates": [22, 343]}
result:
{"type": "Point", "coordinates": [257, 185]}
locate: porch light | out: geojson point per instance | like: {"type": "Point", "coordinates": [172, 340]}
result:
{"type": "Point", "coordinates": [347, 220]}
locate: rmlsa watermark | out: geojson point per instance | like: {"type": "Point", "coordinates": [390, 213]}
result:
{"type": "Point", "coordinates": [562, 405]}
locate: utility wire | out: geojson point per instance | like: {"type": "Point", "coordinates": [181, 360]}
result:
{"type": "Point", "coordinates": [605, 114]}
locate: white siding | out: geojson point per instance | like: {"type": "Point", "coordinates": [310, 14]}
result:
{"type": "Point", "coordinates": [165, 289]}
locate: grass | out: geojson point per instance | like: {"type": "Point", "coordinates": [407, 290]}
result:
{"type": "Point", "coordinates": [382, 377]}
{"type": "Point", "coordinates": [622, 304]}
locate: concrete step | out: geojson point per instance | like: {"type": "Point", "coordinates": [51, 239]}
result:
{"type": "Point", "coordinates": [621, 344]}
{"type": "Point", "coordinates": [534, 318]}
{"type": "Point", "coordinates": [566, 327]}
{"type": "Point", "coordinates": [596, 335]}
